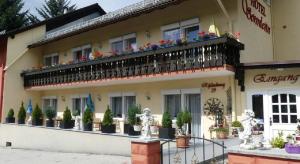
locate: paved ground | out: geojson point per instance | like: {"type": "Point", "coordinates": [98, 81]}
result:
{"type": "Point", "coordinates": [20, 156]}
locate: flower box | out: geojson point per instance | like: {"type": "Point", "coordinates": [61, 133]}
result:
{"type": "Point", "coordinates": [292, 149]}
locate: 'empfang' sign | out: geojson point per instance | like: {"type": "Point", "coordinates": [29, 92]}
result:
{"type": "Point", "coordinates": [258, 20]}
{"type": "Point", "coordinates": [263, 78]}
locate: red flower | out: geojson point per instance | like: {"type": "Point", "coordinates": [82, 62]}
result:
{"type": "Point", "coordinates": [162, 42]}
{"type": "Point", "coordinates": [202, 33]}
{"type": "Point", "coordinates": [237, 35]}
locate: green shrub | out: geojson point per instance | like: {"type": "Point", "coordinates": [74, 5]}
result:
{"type": "Point", "coordinates": [225, 130]}
{"type": "Point", "coordinates": [10, 113]}
{"type": "Point", "coordinates": [236, 124]}
{"type": "Point", "coordinates": [186, 117]}
{"type": "Point", "coordinates": [67, 117]}
{"type": "Point", "coordinates": [108, 119]}
{"type": "Point", "coordinates": [179, 120]}
{"type": "Point", "coordinates": [50, 113]}
{"type": "Point", "coordinates": [22, 112]}
{"type": "Point", "coordinates": [278, 142]}
{"type": "Point", "coordinates": [132, 111]}
{"type": "Point", "coordinates": [166, 120]}
{"type": "Point", "coordinates": [87, 116]}
{"type": "Point", "coordinates": [37, 113]}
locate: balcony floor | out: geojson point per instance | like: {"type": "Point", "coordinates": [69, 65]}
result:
{"type": "Point", "coordinates": [226, 70]}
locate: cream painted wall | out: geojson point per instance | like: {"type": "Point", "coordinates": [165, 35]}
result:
{"type": "Point", "coordinates": [19, 59]}
{"type": "Point", "coordinates": [258, 43]}
{"type": "Point", "coordinates": [141, 90]}
{"type": "Point", "coordinates": [286, 29]}
{"type": "Point", "coordinates": [206, 10]}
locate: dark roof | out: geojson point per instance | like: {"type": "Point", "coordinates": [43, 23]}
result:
{"type": "Point", "coordinates": [111, 18]}
{"type": "Point", "coordinates": [62, 19]}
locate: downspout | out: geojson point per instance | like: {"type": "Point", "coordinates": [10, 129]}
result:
{"type": "Point", "coordinates": [225, 12]}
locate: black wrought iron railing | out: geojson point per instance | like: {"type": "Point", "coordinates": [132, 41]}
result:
{"type": "Point", "coordinates": [193, 56]}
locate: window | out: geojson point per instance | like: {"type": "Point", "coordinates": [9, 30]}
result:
{"type": "Point", "coordinates": [173, 104]}
{"type": "Point", "coordinates": [51, 60]}
{"type": "Point", "coordinates": [258, 106]}
{"type": "Point", "coordinates": [121, 103]}
{"type": "Point", "coordinates": [124, 43]}
{"type": "Point", "coordinates": [186, 29]}
{"type": "Point", "coordinates": [49, 103]}
{"type": "Point", "coordinates": [284, 108]}
{"type": "Point", "coordinates": [82, 53]}
{"type": "Point", "coordinates": [79, 104]}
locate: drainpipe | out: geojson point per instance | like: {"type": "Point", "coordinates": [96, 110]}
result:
{"type": "Point", "coordinates": [225, 12]}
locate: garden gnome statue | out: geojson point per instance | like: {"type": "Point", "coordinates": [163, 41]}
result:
{"type": "Point", "coordinates": [248, 122]}
{"type": "Point", "coordinates": [147, 120]}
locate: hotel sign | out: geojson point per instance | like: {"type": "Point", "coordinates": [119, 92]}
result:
{"type": "Point", "coordinates": [264, 78]}
{"type": "Point", "coordinates": [258, 19]}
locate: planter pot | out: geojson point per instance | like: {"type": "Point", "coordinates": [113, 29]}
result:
{"type": "Point", "coordinates": [38, 122]}
{"type": "Point", "coordinates": [132, 132]}
{"type": "Point", "coordinates": [10, 120]}
{"type": "Point", "coordinates": [49, 123]}
{"type": "Point", "coordinates": [108, 129]}
{"type": "Point", "coordinates": [222, 135]}
{"type": "Point", "coordinates": [166, 133]}
{"type": "Point", "coordinates": [182, 141]}
{"type": "Point", "coordinates": [21, 121]}
{"type": "Point", "coordinates": [67, 125]}
{"type": "Point", "coordinates": [292, 149]}
{"type": "Point", "coordinates": [137, 128]}
{"type": "Point", "coordinates": [88, 127]}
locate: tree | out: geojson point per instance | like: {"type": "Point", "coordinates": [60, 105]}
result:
{"type": "Point", "coordinates": [11, 14]}
{"type": "Point", "coordinates": [54, 8]}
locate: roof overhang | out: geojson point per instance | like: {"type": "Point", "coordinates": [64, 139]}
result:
{"type": "Point", "coordinates": [271, 65]}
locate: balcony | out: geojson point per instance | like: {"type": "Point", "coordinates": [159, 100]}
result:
{"type": "Point", "coordinates": [185, 59]}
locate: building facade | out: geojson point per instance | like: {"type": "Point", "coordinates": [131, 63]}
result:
{"type": "Point", "coordinates": [109, 56]}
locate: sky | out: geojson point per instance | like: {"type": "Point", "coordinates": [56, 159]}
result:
{"type": "Point", "coordinates": [107, 5]}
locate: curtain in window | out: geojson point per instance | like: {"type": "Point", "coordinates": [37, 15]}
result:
{"type": "Point", "coordinates": [173, 34]}
{"type": "Point", "coordinates": [173, 104]}
{"type": "Point", "coordinates": [193, 106]}
{"type": "Point", "coordinates": [117, 47]}
{"type": "Point", "coordinates": [129, 102]}
{"type": "Point", "coordinates": [116, 105]}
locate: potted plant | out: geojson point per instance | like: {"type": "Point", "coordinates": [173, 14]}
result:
{"type": "Point", "coordinates": [88, 120]}
{"type": "Point", "coordinates": [134, 122]}
{"type": "Point", "coordinates": [236, 128]}
{"type": "Point", "coordinates": [278, 141]}
{"type": "Point", "coordinates": [50, 114]}
{"type": "Point", "coordinates": [166, 131]}
{"type": "Point", "coordinates": [67, 122]}
{"type": "Point", "coordinates": [221, 132]}
{"type": "Point", "coordinates": [37, 116]}
{"type": "Point", "coordinates": [183, 119]}
{"type": "Point", "coordinates": [10, 116]}
{"type": "Point", "coordinates": [107, 125]}
{"type": "Point", "coordinates": [22, 114]}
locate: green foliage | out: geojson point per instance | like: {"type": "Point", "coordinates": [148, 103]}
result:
{"type": "Point", "coordinates": [10, 113]}
{"type": "Point", "coordinates": [236, 124]}
{"type": "Point", "coordinates": [108, 119]}
{"type": "Point", "coordinates": [225, 130]}
{"type": "Point", "coordinates": [22, 112]}
{"type": "Point", "coordinates": [67, 117]}
{"type": "Point", "coordinates": [278, 142]}
{"type": "Point", "coordinates": [186, 117]}
{"type": "Point", "coordinates": [12, 15]}
{"type": "Point", "coordinates": [50, 113]}
{"type": "Point", "coordinates": [87, 116]}
{"type": "Point", "coordinates": [166, 120]}
{"type": "Point", "coordinates": [179, 120]}
{"type": "Point", "coordinates": [54, 8]}
{"type": "Point", "coordinates": [37, 113]}
{"type": "Point", "coordinates": [76, 112]}
{"type": "Point", "coordinates": [132, 111]}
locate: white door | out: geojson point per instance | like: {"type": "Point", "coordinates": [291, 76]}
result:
{"type": "Point", "coordinates": [193, 105]}
{"type": "Point", "coordinates": [283, 111]}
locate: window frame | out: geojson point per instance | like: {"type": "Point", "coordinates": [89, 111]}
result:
{"type": "Point", "coordinates": [51, 98]}
{"type": "Point", "coordinates": [81, 97]}
{"type": "Point", "coordinates": [81, 48]}
{"type": "Point", "coordinates": [123, 39]}
{"type": "Point", "coordinates": [123, 96]}
{"type": "Point", "coordinates": [52, 55]}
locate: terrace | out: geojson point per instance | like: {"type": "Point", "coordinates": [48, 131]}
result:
{"type": "Point", "coordinates": [221, 53]}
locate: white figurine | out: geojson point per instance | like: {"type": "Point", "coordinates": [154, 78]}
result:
{"type": "Point", "coordinates": [77, 123]}
{"type": "Point", "coordinates": [248, 123]}
{"type": "Point", "coordinates": [147, 120]}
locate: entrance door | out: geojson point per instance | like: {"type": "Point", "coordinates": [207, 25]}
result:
{"type": "Point", "coordinates": [283, 112]}
{"type": "Point", "coordinates": [193, 105]}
